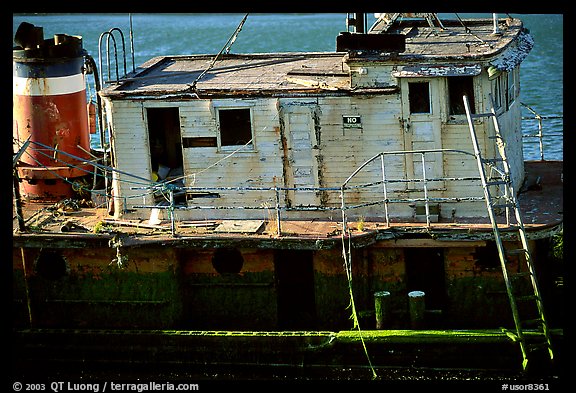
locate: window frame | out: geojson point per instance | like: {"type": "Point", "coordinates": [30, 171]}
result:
{"type": "Point", "coordinates": [496, 89]}
{"type": "Point", "coordinates": [411, 101]}
{"type": "Point", "coordinates": [249, 147]}
{"type": "Point", "coordinates": [449, 95]}
{"type": "Point", "coordinates": [510, 88]}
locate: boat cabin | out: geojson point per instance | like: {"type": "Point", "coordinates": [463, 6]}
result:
{"type": "Point", "coordinates": [238, 135]}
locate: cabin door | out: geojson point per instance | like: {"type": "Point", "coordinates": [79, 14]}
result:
{"type": "Point", "coordinates": [300, 163]}
{"type": "Point", "coordinates": [421, 126]}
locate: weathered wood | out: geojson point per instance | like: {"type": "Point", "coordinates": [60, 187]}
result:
{"type": "Point", "coordinates": [416, 303]}
{"type": "Point", "coordinates": [134, 224]}
{"type": "Point", "coordinates": [404, 243]}
{"type": "Point", "coordinates": [381, 305]}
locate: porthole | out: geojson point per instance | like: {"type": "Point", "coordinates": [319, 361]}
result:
{"type": "Point", "coordinates": [227, 261]}
{"type": "Point", "coordinates": [51, 265]}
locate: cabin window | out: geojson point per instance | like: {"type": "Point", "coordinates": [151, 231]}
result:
{"type": "Point", "coordinates": [419, 97]}
{"type": "Point", "coordinates": [235, 127]}
{"type": "Point", "coordinates": [459, 86]}
{"type": "Point", "coordinates": [497, 92]}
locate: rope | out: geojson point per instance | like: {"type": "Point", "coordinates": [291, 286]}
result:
{"type": "Point", "coordinates": [347, 256]}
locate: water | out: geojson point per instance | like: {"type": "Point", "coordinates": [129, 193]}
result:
{"type": "Point", "coordinates": [178, 34]}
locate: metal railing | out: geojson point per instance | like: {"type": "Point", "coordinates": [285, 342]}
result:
{"type": "Point", "coordinates": [382, 184]}
{"type": "Point", "coordinates": [110, 35]}
{"type": "Point", "coordinates": [539, 136]}
{"type": "Point", "coordinates": [424, 180]}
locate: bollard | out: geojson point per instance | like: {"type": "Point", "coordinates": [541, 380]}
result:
{"type": "Point", "coordinates": [417, 307]}
{"type": "Point", "coordinates": [382, 307]}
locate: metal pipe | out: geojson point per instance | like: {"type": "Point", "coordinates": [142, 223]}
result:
{"type": "Point", "coordinates": [496, 28]}
{"type": "Point", "coordinates": [132, 44]}
{"type": "Point", "coordinates": [426, 203]}
{"type": "Point", "coordinates": [98, 87]}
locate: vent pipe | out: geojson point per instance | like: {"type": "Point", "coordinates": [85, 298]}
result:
{"type": "Point", "coordinates": [496, 28]}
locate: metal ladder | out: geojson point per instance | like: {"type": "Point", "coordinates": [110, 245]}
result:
{"type": "Point", "coordinates": [508, 201]}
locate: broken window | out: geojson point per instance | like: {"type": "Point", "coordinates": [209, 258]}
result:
{"type": "Point", "coordinates": [419, 97]}
{"type": "Point", "coordinates": [511, 91]}
{"type": "Point", "coordinates": [235, 127]}
{"type": "Point", "coordinates": [497, 92]}
{"type": "Point", "coordinates": [459, 86]}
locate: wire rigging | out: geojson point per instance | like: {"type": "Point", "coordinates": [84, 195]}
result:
{"type": "Point", "coordinates": [225, 48]}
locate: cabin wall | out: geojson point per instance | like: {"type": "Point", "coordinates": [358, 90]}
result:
{"type": "Point", "coordinates": [509, 119]}
{"type": "Point", "coordinates": [367, 75]}
{"type": "Point", "coordinates": [131, 152]}
{"type": "Point", "coordinates": [260, 166]}
{"type": "Point", "coordinates": [345, 149]}
{"type": "Point", "coordinates": [304, 142]}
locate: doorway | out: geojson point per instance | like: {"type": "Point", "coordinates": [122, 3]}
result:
{"type": "Point", "coordinates": [425, 272]}
{"type": "Point", "coordinates": [422, 130]}
{"type": "Point", "coordinates": [164, 139]}
{"type": "Point", "coordinates": [295, 289]}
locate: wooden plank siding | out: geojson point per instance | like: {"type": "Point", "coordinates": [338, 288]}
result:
{"type": "Point", "coordinates": [257, 166]}
{"type": "Point", "coordinates": [326, 162]}
{"type": "Point", "coordinates": [131, 153]}
{"type": "Point", "coordinates": [302, 141]}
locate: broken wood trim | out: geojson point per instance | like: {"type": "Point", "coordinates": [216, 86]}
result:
{"type": "Point", "coordinates": [125, 223]}
{"type": "Point", "coordinates": [407, 243]}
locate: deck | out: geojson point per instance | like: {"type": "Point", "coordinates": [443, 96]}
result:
{"type": "Point", "coordinates": [541, 203]}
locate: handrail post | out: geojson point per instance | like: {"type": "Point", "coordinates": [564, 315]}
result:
{"type": "Point", "coordinates": [425, 186]}
{"type": "Point", "coordinates": [278, 225]}
{"type": "Point", "coordinates": [540, 137]}
{"type": "Point", "coordinates": [385, 190]}
{"type": "Point", "coordinates": [172, 219]}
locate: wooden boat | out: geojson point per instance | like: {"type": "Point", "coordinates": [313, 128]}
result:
{"type": "Point", "coordinates": [380, 188]}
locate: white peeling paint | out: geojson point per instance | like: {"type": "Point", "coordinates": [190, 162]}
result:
{"type": "Point", "coordinates": [418, 71]}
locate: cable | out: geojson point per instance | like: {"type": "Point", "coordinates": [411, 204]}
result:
{"type": "Point", "coordinates": [468, 31]}
{"type": "Point", "coordinates": [226, 48]}
{"type": "Point", "coordinates": [95, 164]}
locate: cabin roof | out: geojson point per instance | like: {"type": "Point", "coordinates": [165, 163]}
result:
{"type": "Point", "coordinates": [462, 39]}
{"type": "Point", "coordinates": [237, 73]}
{"type": "Point", "coordinates": [467, 42]}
